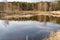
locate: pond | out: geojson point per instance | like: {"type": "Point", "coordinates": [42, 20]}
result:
{"type": "Point", "coordinates": [26, 30]}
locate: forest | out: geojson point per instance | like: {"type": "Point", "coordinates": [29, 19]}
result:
{"type": "Point", "coordinates": [31, 6]}
{"type": "Point", "coordinates": [49, 6]}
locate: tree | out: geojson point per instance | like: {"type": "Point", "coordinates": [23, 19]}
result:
{"type": "Point", "coordinates": [58, 5]}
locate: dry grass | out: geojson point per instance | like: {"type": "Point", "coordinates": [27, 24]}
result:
{"type": "Point", "coordinates": [54, 36]}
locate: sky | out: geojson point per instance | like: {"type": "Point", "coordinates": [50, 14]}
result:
{"type": "Point", "coordinates": [27, 0]}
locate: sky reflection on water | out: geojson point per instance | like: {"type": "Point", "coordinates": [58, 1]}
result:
{"type": "Point", "coordinates": [16, 30]}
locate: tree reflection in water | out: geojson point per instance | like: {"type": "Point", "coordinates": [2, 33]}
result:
{"type": "Point", "coordinates": [6, 23]}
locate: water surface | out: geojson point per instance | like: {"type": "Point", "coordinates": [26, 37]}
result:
{"type": "Point", "coordinates": [18, 30]}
